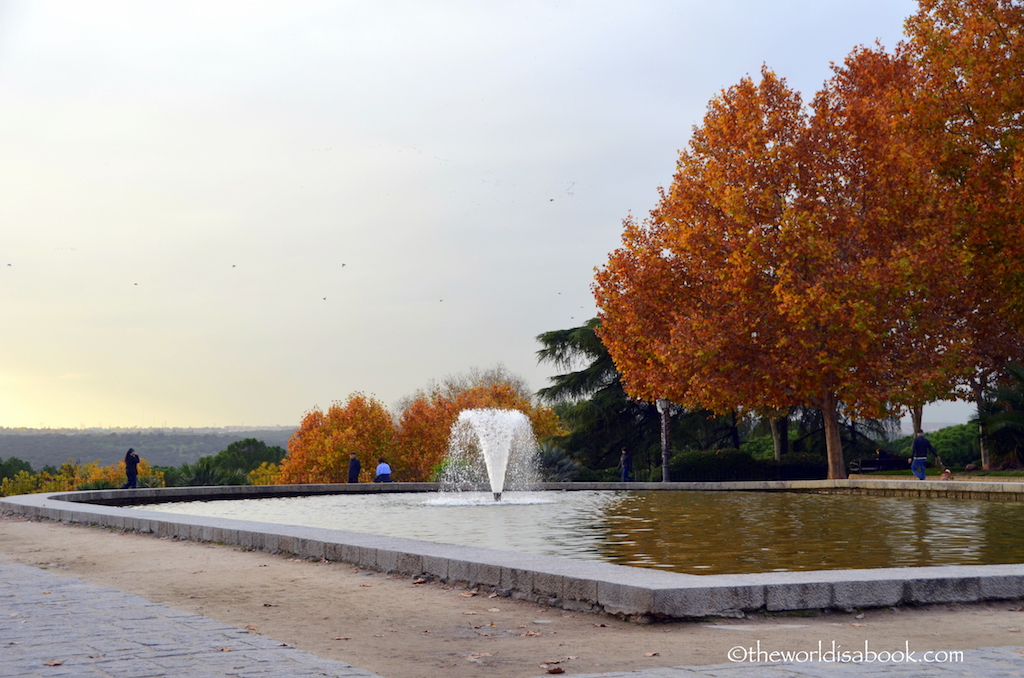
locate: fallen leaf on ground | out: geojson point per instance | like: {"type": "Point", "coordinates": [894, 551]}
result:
{"type": "Point", "coordinates": [1014, 630]}
{"type": "Point", "coordinates": [269, 605]}
{"type": "Point", "coordinates": [366, 585]}
{"type": "Point", "coordinates": [341, 638]}
{"type": "Point", "coordinates": [557, 669]}
{"type": "Point", "coordinates": [47, 591]}
{"type": "Point", "coordinates": [252, 627]}
{"type": "Point", "coordinates": [419, 580]}
{"type": "Point", "coordinates": [53, 662]}
{"type": "Point", "coordinates": [530, 633]}
{"type": "Point", "coordinates": [652, 654]}
{"type": "Point", "coordinates": [493, 595]}
{"type": "Point", "coordinates": [858, 624]}
{"type": "Point", "coordinates": [601, 625]}
{"type": "Point", "coordinates": [467, 594]}
{"type": "Point", "coordinates": [469, 613]}
{"type": "Point", "coordinates": [493, 609]}
{"type": "Point", "coordinates": [224, 649]}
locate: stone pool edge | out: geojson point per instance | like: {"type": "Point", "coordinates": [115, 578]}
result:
{"type": "Point", "coordinates": [561, 582]}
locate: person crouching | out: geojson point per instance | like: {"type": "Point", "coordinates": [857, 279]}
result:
{"type": "Point", "coordinates": [383, 472]}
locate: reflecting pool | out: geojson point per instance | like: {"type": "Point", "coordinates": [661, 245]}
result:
{"type": "Point", "coordinates": [692, 532]}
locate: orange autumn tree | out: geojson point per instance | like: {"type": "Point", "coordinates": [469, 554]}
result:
{"type": "Point", "coordinates": [969, 112]}
{"type": "Point", "coordinates": [427, 418]}
{"type": "Point", "coordinates": [790, 261]}
{"type": "Point", "coordinates": [318, 451]}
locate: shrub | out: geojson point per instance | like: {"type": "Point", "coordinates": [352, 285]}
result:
{"type": "Point", "coordinates": [556, 466]}
{"type": "Point", "coordinates": [598, 475]}
{"type": "Point", "coordinates": [733, 465]}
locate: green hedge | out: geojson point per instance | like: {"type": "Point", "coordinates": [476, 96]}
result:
{"type": "Point", "coordinates": [729, 465]}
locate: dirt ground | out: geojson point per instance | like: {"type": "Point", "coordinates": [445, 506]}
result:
{"type": "Point", "coordinates": [396, 627]}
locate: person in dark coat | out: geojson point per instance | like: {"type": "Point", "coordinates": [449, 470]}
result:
{"type": "Point", "coordinates": [131, 468]}
{"type": "Point", "coordinates": [919, 454]}
{"type": "Point", "coordinates": [353, 468]}
{"type": "Point", "coordinates": [626, 466]}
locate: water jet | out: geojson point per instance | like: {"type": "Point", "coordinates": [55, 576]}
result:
{"type": "Point", "coordinates": [492, 446]}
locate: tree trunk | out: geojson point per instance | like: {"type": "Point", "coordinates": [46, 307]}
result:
{"type": "Point", "coordinates": [780, 434]}
{"type": "Point", "coordinates": [979, 385]}
{"type": "Point", "coordinates": [734, 432]}
{"type": "Point", "coordinates": [833, 441]}
{"type": "Point", "coordinates": [916, 414]}
{"type": "Point", "coordinates": [665, 444]}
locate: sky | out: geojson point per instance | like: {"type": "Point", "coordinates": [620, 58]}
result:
{"type": "Point", "coordinates": [227, 213]}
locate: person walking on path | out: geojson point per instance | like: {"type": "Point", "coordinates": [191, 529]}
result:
{"type": "Point", "coordinates": [353, 468]}
{"type": "Point", "coordinates": [626, 466]}
{"type": "Point", "coordinates": [383, 472]}
{"type": "Point", "coordinates": [919, 454]}
{"type": "Point", "coordinates": [131, 468]}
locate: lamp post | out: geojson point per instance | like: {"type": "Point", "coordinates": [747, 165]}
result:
{"type": "Point", "coordinates": [663, 406]}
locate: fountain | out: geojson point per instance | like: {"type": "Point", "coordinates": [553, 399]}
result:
{"type": "Point", "coordinates": [492, 444]}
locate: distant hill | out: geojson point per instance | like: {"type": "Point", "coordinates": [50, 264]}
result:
{"type": "Point", "coordinates": [160, 447]}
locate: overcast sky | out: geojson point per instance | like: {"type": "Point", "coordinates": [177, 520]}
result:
{"type": "Point", "coordinates": [226, 213]}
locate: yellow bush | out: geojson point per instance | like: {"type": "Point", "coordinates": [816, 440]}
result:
{"type": "Point", "coordinates": [72, 476]}
{"type": "Point", "coordinates": [266, 474]}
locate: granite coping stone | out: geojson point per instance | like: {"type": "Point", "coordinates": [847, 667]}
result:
{"type": "Point", "coordinates": [573, 584]}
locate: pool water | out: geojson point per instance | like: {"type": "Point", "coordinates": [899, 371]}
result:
{"type": "Point", "coordinates": [691, 532]}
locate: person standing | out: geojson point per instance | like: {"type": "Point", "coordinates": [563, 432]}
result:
{"type": "Point", "coordinates": [131, 468]}
{"type": "Point", "coordinates": [383, 472]}
{"type": "Point", "coordinates": [353, 468]}
{"type": "Point", "coordinates": [919, 454]}
{"type": "Point", "coordinates": [626, 466]}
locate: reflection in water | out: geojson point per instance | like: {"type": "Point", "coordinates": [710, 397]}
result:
{"type": "Point", "coordinates": [693, 532]}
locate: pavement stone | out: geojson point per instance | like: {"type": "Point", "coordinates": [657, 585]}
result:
{"type": "Point", "coordinates": [986, 662]}
{"type": "Point", "coordinates": [96, 632]}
